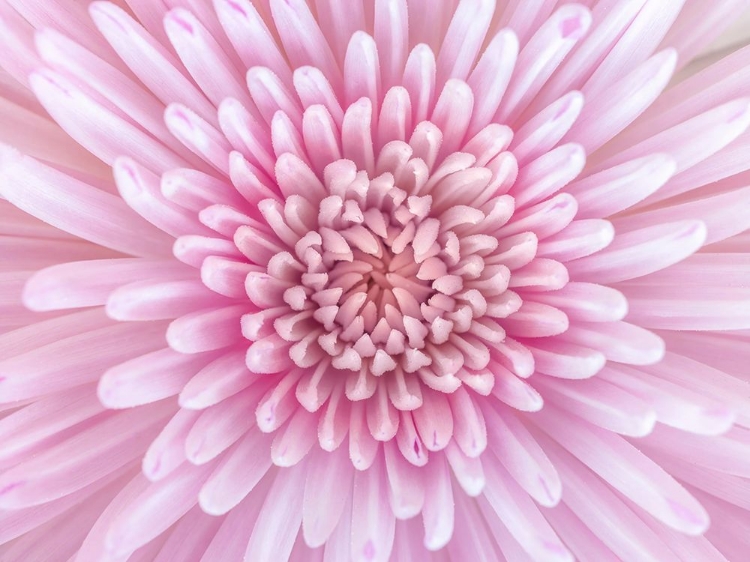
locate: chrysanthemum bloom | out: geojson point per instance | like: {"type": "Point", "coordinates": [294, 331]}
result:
{"type": "Point", "coordinates": [343, 280]}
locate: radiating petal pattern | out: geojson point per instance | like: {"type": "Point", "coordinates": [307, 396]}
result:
{"type": "Point", "coordinates": [396, 280]}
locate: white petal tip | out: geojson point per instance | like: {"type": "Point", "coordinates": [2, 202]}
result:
{"type": "Point", "coordinates": [473, 487]}
{"type": "Point", "coordinates": [36, 300]}
{"type": "Point", "coordinates": [212, 507]}
{"type": "Point", "coordinates": [438, 538]}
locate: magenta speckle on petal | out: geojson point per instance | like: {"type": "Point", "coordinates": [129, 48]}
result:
{"type": "Point", "coordinates": [12, 486]}
{"type": "Point", "coordinates": [369, 552]}
{"type": "Point", "coordinates": [571, 27]}
{"type": "Point", "coordinates": [237, 7]}
{"type": "Point", "coordinates": [182, 22]}
{"type": "Point", "coordinates": [687, 514]}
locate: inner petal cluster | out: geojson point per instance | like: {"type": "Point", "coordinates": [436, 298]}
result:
{"type": "Point", "coordinates": [372, 279]}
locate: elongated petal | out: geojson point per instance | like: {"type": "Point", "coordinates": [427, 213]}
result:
{"type": "Point", "coordinates": [646, 483]}
{"type": "Point", "coordinates": [326, 492]}
{"type": "Point", "coordinates": [89, 283]}
{"type": "Point", "coordinates": [276, 529]}
{"type": "Point", "coordinates": [148, 378]}
{"type": "Point", "coordinates": [520, 454]}
{"type": "Point", "coordinates": [373, 523]}
{"type": "Point", "coordinates": [155, 509]}
{"type": "Point", "coordinates": [240, 470]}
{"type": "Point", "coordinates": [89, 213]}
{"type": "Point", "coordinates": [71, 465]}
{"type": "Point", "coordinates": [518, 513]}
{"type": "Point", "coordinates": [635, 254]}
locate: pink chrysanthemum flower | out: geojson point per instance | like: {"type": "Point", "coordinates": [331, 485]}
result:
{"type": "Point", "coordinates": [373, 280]}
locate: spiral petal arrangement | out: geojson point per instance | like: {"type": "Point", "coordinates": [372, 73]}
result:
{"type": "Point", "coordinates": [390, 280]}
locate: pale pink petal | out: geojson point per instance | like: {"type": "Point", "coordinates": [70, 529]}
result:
{"type": "Point", "coordinates": [600, 403]}
{"type": "Point", "coordinates": [438, 511]}
{"type": "Point", "coordinates": [154, 510]}
{"type": "Point", "coordinates": [190, 537]}
{"type": "Point", "coordinates": [326, 494]}
{"type": "Point", "coordinates": [73, 464]}
{"type": "Point", "coordinates": [520, 454]}
{"type": "Point", "coordinates": [24, 430]}
{"type": "Point", "coordinates": [373, 522]}
{"type": "Point", "coordinates": [612, 521]}
{"type": "Point", "coordinates": [148, 378]}
{"type": "Point", "coordinates": [147, 58]}
{"type": "Point", "coordinates": [238, 474]}
{"type": "Point", "coordinates": [219, 426]}
{"type": "Point", "coordinates": [85, 213]}
{"type": "Point", "coordinates": [275, 529]}
{"type": "Point", "coordinates": [648, 485]}
{"type": "Point", "coordinates": [87, 283]}
{"type": "Point", "coordinates": [77, 359]}
{"type": "Point", "coordinates": [515, 510]}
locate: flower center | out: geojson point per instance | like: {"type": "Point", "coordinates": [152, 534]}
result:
{"type": "Point", "coordinates": [375, 279]}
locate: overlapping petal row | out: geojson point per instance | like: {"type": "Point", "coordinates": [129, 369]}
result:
{"type": "Point", "coordinates": [402, 280]}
